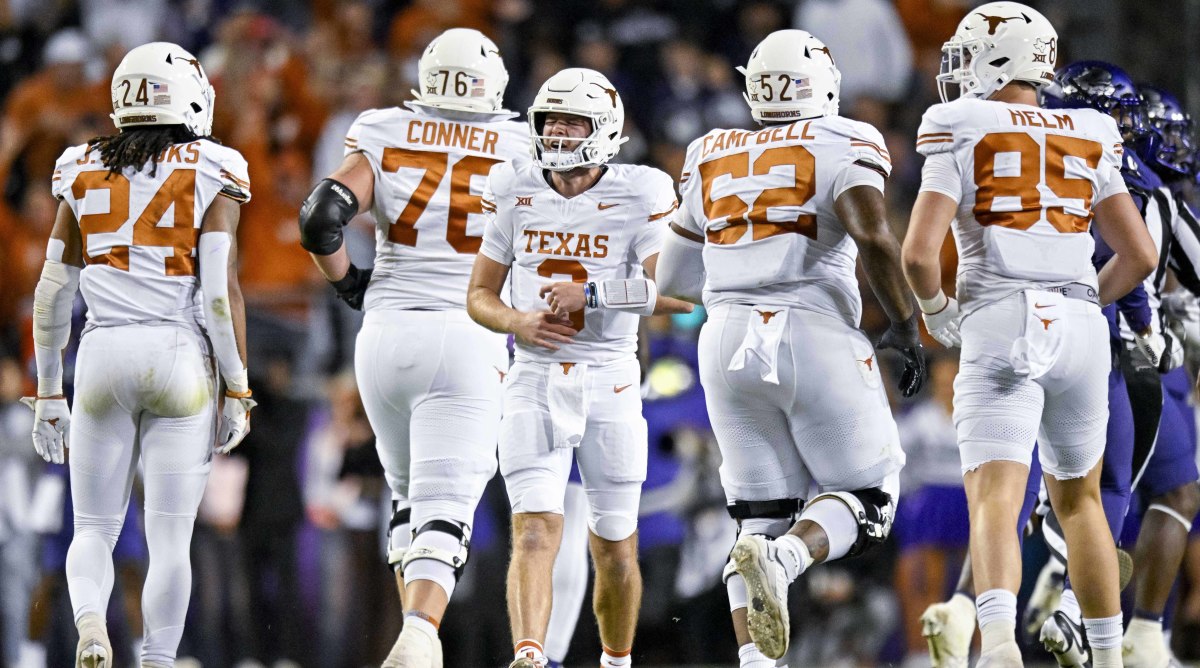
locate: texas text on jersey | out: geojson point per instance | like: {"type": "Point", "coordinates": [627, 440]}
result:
{"type": "Point", "coordinates": [602, 234]}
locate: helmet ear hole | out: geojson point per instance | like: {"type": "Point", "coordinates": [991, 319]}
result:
{"type": "Point", "coordinates": [196, 108]}
{"type": "Point", "coordinates": [999, 62]}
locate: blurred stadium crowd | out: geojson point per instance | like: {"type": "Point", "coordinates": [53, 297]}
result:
{"type": "Point", "coordinates": [287, 551]}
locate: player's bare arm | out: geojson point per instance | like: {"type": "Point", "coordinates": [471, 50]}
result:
{"type": "Point", "coordinates": [681, 273]}
{"type": "Point", "coordinates": [664, 305]}
{"type": "Point", "coordinates": [66, 230]}
{"type": "Point", "coordinates": [1124, 230]}
{"type": "Point", "coordinates": [931, 217]}
{"type": "Point", "coordinates": [567, 297]}
{"type": "Point", "coordinates": [536, 328]}
{"type": "Point", "coordinates": [347, 192]}
{"type": "Point", "coordinates": [862, 212]}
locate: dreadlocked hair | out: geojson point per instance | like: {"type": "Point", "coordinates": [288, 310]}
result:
{"type": "Point", "coordinates": [136, 146]}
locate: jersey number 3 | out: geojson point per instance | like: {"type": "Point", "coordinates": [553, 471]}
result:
{"type": "Point", "coordinates": [1020, 157]}
{"type": "Point", "coordinates": [178, 193]}
{"type": "Point", "coordinates": [462, 202]}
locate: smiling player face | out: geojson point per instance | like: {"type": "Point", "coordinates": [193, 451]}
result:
{"type": "Point", "coordinates": [566, 130]}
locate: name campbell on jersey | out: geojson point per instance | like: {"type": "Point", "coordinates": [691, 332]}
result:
{"type": "Point", "coordinates": [764, 201]}
{"type": "Point", "coordinates": [429, 177]}
{"type": "Point", "coordinates": [140, 231]}
{"type": "Point", "coordinates": [603, 234]}
{"type": "Point", "coordinates": [1026, 180]}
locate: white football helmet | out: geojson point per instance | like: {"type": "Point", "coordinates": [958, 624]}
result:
{"type": "Point", "coordinates": [998, 43]}
{"type": "Point", "coordinates": [791, 75]}
{"type": "Point", "coordinates": [160, 83]}
{"type": "Point", "coordinates": [580, 92]}
{"type": "Point", "coordinates": [461, 70]}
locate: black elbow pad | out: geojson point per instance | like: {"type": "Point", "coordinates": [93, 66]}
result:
{"type": "Point", "coordinates": [326, 211]}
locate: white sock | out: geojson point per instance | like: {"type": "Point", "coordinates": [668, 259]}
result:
{"type": "Point", "coordinates": [795, 558]}
{"type": "Point", "coordinates": [1104, 633]}
{"type": "Point", "coordinates": [1145, 628]}
{"type": "Point", "coordinates": [421, 623]}
{"type": "Point", "coordinates": [529, 649]}
{"type": "Point", "coordinates": [962, 604]}
{"type": "Point", "coordinates": [1069, 605]}
{"type": "Point", "coordinates": [996, 610]}
{"type": "Point", "coordinates": [433, 570]}
{"type": "Point", "coordinates": [750, 657]}
{"type": "Point", "coordinates": [735, 586]}
{"type": "Point", "coordinates": [611, 659]}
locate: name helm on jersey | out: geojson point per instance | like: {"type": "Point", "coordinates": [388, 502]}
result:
{"type": "Point", "coordinates": [791, 75]}
{"type": "Point", "coordinates": [996, 44]}
{"type": "Point", "coordinates": [461, 70]}
{"type": "Point", "coordinates": [161, 83]}
{"type": "Point", "coordinates": [580, 92]}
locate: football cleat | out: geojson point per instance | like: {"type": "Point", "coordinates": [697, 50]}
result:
{"type": "Point", "coordinates": [1007, 655]}
{"type": "Point", "coordinates": [414, 649]}
{"type": "Point", "coordinates": [94, 649]}
{"type": "Point", "coordinates": [948, 628]}
{"type": "Point", "coordinates": [1144, 647]}
{"type": "Point", "coordinates": [755, 559]}
{"type": "Point", "coordinates": [1065, 640]}
{"type": "Point", "coordinates": [1045, 597]}
{"type": "Point", "coordinates": [526, 662]}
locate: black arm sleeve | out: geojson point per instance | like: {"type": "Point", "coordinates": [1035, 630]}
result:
{"type": "Point", "coordinates": [326, 211]}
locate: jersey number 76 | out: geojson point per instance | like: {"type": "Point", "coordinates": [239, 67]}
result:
{"type": "Point", "coordinates": [434, 165]}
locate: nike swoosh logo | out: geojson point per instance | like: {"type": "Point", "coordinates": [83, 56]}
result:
{"type": "Point", "coordinates": [1036, 305]}
{"type": "Point", "coordinates": [602, 206]}
{"type": "Point", "coordinates": [618, 390]}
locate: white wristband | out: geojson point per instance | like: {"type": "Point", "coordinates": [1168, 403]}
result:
{"type": "Point", "coordinates": [934, 304]}
{"type": "Point", "coordinates": [629, 294]}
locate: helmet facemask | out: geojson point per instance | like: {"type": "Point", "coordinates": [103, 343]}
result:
{"type": "Point", "coordinates": [579, 93]}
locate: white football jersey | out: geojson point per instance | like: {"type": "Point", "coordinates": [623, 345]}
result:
{"type": "Point", "coordinates": [764, 201]}
{"type": "Point", "coordinates": [140, 230]}
{"type": "Point", "coordinates": [1026, 180]}
{"type": "Point", "coordinates": [603, 234]}
{"type": "Point", "coordinates": [429, 175]}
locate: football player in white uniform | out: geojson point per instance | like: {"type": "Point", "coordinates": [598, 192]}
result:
{"type": "Point", "coordinates": [430, 379]}
{"type": "Point", "coordinates": [767, 235]}
{"type": "Point", "coordinates": [146, 228]}
{"type": "Point", "coordinates": [573, 391]}
{"type": "Point", "coordinates": [1020, 187]}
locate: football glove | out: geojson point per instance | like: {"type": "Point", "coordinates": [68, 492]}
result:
{"type": "Point", "coordinates": [943, 324]}
{"type": "Point", "coordinates": [235, 421]}
{"type": "Point", "coordinates": [51, 426]}
{"type": "Point", "coordinates": [1150, 345]}
{"type": "Point", "coordinates": [352, 288]}
{"type": "Point", "coordinates": [905, 338]}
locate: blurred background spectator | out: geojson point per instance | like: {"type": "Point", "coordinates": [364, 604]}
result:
{"type": "Point", "coordinates": [288, 544]}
